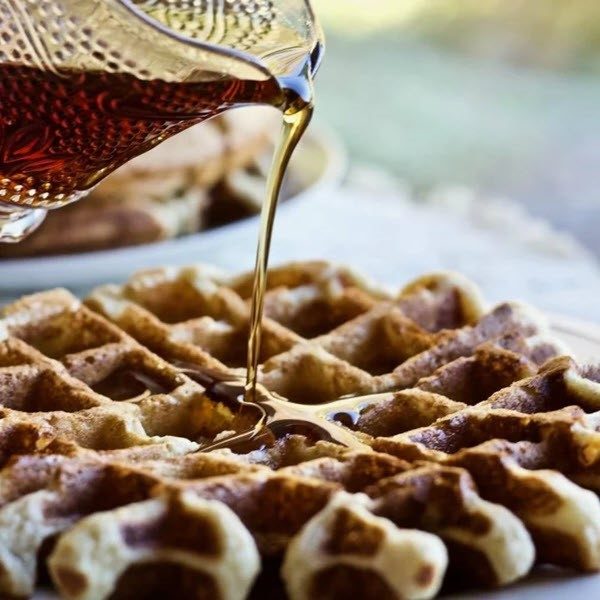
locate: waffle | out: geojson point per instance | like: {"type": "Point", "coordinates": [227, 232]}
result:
{"type": "Point", "coordinates": [469, 454]}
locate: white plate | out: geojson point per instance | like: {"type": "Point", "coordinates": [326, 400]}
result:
{"type": "Point", "coordinates": [320, 164]}
{"type": "Point", "coordinates": [542, 586]}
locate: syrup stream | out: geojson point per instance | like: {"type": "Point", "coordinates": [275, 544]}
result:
{"type": "Point", "coordinates": [295, 122]}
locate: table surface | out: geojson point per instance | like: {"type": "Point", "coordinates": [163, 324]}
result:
{"type": "Point", "coordinates": [373, 224]}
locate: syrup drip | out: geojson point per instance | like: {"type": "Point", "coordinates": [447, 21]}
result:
{"type": "Point", "coordinates": [275, 417]}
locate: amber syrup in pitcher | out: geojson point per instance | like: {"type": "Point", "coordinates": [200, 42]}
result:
{"type": "Point", "coordinates": [61, 133]}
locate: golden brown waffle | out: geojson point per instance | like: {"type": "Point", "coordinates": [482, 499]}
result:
{"type": "Point", "coordinates": [472, 447]}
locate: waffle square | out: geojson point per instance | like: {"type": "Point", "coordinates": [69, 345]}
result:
{"type": "Point", "coordinates": [470, 440]}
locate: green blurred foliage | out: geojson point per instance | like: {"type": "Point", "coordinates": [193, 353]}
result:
{"type": "Point", "coordinates": [549, 33]}
{"type": "Point", "coordinates": [500, 95]}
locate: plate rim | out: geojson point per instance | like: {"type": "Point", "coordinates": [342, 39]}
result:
{"type": "Point", "coordinates": [581, 328]}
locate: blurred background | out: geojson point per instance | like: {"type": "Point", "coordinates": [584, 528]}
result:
{"type": "Point", "coordinates": [499, 95]}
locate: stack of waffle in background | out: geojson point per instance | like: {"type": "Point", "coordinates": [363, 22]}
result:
{"type": "Point", "coordinates": [207, 175]}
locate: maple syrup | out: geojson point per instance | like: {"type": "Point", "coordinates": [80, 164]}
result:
{"type": "Point", "coordinates": [61, 133]}
{"type": "Point", "coordinates": [273, 417]}
{"type": "Point", "coordinates": [348, 418]}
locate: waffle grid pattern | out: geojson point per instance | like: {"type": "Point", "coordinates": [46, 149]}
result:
{"type": "Point", "coordinates": [478, 454]}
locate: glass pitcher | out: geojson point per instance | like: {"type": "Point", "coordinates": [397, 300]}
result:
{"type": "Point", "coordinates": [85, 85]}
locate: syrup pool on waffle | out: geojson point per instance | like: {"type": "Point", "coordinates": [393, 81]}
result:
{"type": "Point", "coordinates": [274, 417]}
